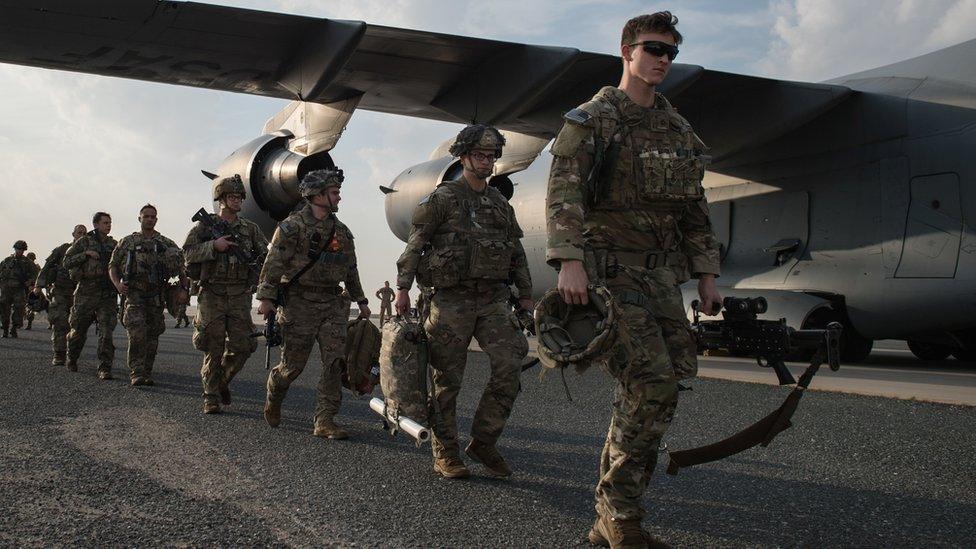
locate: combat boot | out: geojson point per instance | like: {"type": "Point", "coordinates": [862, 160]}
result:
{"type": "Point", "coordinates": [105, 375]}
{"type": "Point", "coordinates": [211, 407]}
{"type": "Point", "coordinates": [30, 324]}
{"type": "Point", "coordinates": [451, 467]}
{"type": "Point", "coordinates": [272, 412]}
{"type": "Point", "coordinates": [489, 457]}
{"type": "Point", "coordinates": [58, 359]}
{"type": "Point", "coordinates": [148, 381]}
{"type": "Point", "coordinates": [6, 331]}
{"type": "Point", "coordinates": [72, 365]}
{"type": "Point", "coordinates": [13, 332]}
{"type": "Point", "coordinates": [225, 395]}
{"type": "Point", "coordinates": [328, 428]}
{"type": "Point", "coordinates": [137, 381]}
{"type": "Point", "coordinates": [622, 534]}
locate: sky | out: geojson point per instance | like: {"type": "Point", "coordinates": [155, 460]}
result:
{"type": "Point", "coordinates": [73, 144]}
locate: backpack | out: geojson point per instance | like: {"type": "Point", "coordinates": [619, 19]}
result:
{"type": "Point", "coordinates": [403, 370]}
{"type": "Point", "coordinates": [362, 356]}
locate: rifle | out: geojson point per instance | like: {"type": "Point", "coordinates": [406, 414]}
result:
{"type": "Point", "coordinates": [130, 259]}
{"type": "Point", "coordinates": [525, 318]}
{"type": "Point", "coordinates": [770, 342]}
{"type": "Point", "coordinates": [219, 229]}
{"type": "Point", "coordinates": [272, 337]}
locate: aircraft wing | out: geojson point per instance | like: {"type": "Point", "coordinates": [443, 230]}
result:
{"type": "Point", "coordinates": [518, 87]}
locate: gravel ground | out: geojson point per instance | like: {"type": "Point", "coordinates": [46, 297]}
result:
{"type": "Point", "coordinates": [85, 462]}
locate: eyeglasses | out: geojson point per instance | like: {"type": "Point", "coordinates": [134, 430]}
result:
{"type": "Point", "coordinates": [483, 157]}
{"type": "Point", "coordinates": [658, 49]}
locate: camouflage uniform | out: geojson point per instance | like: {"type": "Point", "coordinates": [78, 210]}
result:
{"type": "Point", "coordinates": [29, 313]}
{"type": "Point", "coordinates": [61, 288]}
{"type": "Point", "coordinates": [95, 297]}
{"type": "Point", "coordinates": [385, 295]}
{"type": "Point", "coordinates": [463, 244]}
{"type": "Point", "coordinates": [315, 309]}
{"type": "Point", "coordinates": [644, 230]}
{"type": "Point", "coordinates": [222, 327]}
{"type": "Point", "coordinates": [154, 260]}
{"type": "Point", "coordinates": [16, 276]}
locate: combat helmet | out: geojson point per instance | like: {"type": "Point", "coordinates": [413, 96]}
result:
{"type": "Point", "coordinates": [317, 181]}
{"type": "Point", "coordinates": [477, 136]}
{"type": "Point", "coordinates": [20, 245]}
{"type": "Point", "coordinates": [31, 255]}
{"type": "Point", "coordinates": [577, 335]}
{"type": "Point", "coordinates": [229, 185]}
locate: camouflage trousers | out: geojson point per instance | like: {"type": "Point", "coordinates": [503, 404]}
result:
{"type": "Point", "coordinates": [307, 319]}
{"type": "Point", "coordinates": [386, 311]}
{"type": "Point", "coordinates": [57, 314]}
{"type": "Point", "coordinates": [143, 320]}
{"type": "Point", "coordinates": [99, 303]}
{"type": "Point", "coordinates": [654, 350]}
{"type": "Point", "coordinates": [457, 315]}
{"type": "Point", "coordinates": [222, 329]}
{"type": "Point", "coordinates": [13, 299]}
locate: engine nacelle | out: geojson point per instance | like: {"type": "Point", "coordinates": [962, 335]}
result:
{"type": "Point", "coordinates": [271, 174]}
{"type": "Point", "coordinates": [411, 186]}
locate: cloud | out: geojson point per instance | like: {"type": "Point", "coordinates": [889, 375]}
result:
{"type": "Point", "coordinates": [821, 39]}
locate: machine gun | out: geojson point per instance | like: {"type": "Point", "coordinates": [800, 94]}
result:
{"type": "Point", "coordinates": [219, 229]}
{"type": "Point", "coordinates": [272, 337]}
{"type": "Point", "coordinates": [770, 342]}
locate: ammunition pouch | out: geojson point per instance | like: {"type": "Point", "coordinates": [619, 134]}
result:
{"type": "Point", "coordinates": [490, 259]}
{"type": "Point", "coordinates": [438, 269]}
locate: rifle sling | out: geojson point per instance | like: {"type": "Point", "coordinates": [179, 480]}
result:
{"type": "Point", "coordinates": [307, 266]}
{"type": "Point", "coordinates": [760, 433]}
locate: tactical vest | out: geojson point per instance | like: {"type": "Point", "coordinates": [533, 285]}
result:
{"type": "Point", "coordinates": [328, 248]}
{"type": "Point", "coordinates": [16, 271]}
{"type": "Point", "coordinates": [472, 243]}
{"type": "Point", "coordinates": [151, 266]}
{"type": "Point", "coordinates": [94, 269]}
{"type": "Point", "coordinates": [62, 279]}
{"type": "Point", "coordinates": [651, 173]}
{"type": "Point", "coordinates": [225, 268]}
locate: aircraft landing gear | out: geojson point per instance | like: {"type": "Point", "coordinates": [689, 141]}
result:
{"type": "Point", "coordinates": [929, 351]}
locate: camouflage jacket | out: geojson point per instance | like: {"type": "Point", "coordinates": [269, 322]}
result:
{"type": "Point", "coordinates": [86, 270]}
{"type": "Point", "coordinates": [223, 269]}
{"type": "Point", "coordinates": [461, 235]}
{"type": "Point", "coordinates": [301, 239]}
{"type": "Point", "coordinates": [146, 263]}
{"type": "Point", "coordinates": [648, 201]}
{"type": "Point", "coordinates": [17, 272]}
{"type": "Point", "coordinates": [54, 273]}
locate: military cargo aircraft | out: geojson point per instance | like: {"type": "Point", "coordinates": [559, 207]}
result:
{"type": "Point", "coordinates": [849, 200]}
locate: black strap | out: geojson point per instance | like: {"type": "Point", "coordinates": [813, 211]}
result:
{"type": "Point", "coordinates": [291, 282]}
{"type": "Point", "coordinates": [760, 433]}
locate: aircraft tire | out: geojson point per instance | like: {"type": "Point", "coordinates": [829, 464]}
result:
{"type": "Point", "coordinates": [853, 347]}
{"type": "Point", "coordinates": [928, 351]}
{"type": "Point", "coordinates": [965, 355]}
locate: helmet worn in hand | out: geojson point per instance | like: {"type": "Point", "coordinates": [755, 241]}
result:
{"type": "Point", "coordinates": [478, 136]}
{"type": "Point", "coordinates": [228, 185]}
{"type": "Point", "coordinates": [578, 335]}
{"type": "Point", "coordinates": [317, 181]}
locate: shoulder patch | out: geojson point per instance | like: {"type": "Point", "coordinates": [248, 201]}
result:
{"type": "Point", "coordinates": [288, 227]}
{"type": "Point", "coordinates": [569, 139]}
{"type": "Point", "coordinates": [578, 116]}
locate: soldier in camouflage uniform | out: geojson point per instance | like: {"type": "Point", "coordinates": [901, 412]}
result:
{"type": "Point", "coordinates": [140, 269]}
{"type": "Point", "coordinates": [181, 319]}
{"type": "Point", "coordinates": [28, 310]}
{"type": "Point", "coordinates": [385, 295]}
{"type": "Point", "coordinates": [465, 245]}
{"type": "Point", "coordinates": [222, 327]}
{"type": "Point", "coordinates": [95, 297]}
{"type": "Point", "coordinates": [311, 253]}
{"type": "Point", "coordinates": [641, 226]}
{"type": "Point", "coordinates": [60, 289]}
{"type": "Point", "coordinates": [17, 274]}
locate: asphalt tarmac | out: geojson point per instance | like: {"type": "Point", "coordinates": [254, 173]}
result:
{"type": "Point", "coordinates": [93, 463]}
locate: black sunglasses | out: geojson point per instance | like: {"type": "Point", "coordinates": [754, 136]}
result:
{"type": "Point", "coordinates": [658, 49]}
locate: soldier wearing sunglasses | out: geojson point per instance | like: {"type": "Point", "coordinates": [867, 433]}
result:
{"type": "Point", "coordinates": [626, 208]}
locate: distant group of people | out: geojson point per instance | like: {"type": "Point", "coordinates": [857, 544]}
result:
{"type": "Point", "coordinates": [625, 211]}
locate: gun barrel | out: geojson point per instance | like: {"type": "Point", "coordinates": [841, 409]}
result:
{"type": "Point", "coordinates": [407, 425]}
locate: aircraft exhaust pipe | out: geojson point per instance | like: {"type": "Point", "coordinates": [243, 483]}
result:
{"type": "Point", "coordinates": [420, 433]}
